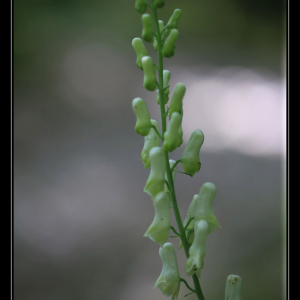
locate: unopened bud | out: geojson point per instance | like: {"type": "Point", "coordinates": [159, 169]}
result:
{"type": "Point", "coordinates": [168, 49]}
{"type": "Point", "coordinates": [141, 6]}
{"type": "Point", "coordinates": [171, 135]}
{"type": "Point", "coordinates": [143, 123]}
{"type": "Point", "coordinates": [176, 100]}
{"type": "Point", "coordinates": [160, 227]}
{"type": "Point", "coordinates": [233, 287]}
{"type": "Point", "coordinates": [159, 3]}
{"type": "Point", "coordinates": [140, 51]}
{"type": "Point", "coordinates": [148, 32]}
{"type": "Point", "coordinates": [156, 179]}
{"type": "Point", "coordinates": [150, 81]}
{"type": "Point", "coordinates": [195, 262]}
{"type": "Point", "coordinates": [169, 280]}
{"type": "Point", "coordinates": [173, 21]}
{"type": "Point", "coordinates": [190, 160]}
{"type": "Point", "coordinates": [203, 207]}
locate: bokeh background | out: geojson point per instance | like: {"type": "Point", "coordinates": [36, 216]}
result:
{"type": "Point", "coordinates": [79, 208]}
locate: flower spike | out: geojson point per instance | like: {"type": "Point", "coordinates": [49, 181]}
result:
{"type": "Point", "coordinates": [160, 227]}
{"type": "Point", "coordinates": [169, 280]}
{"type": "Point", "coordinates": [156, 180]}
{"type": "Point", "coordinates": [143, 123]}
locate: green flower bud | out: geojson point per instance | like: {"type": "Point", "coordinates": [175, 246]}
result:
{"type": "Point", "coordinates": [156, 180]}
{"type": "Point", "coordinates": [140, 51]}
{"type": "Point", "coordinates": [161, 26]}
{"type": "Point", "coordinates": [173, 21]}
{"type": "Point", "coordinates": [159, 229]}
{"type": "Point", "coordinates": [169, 280]}
{"type": "Point", "coordinates": [151, 140]}
{"type": "Point", "coordinates": [171, 135]}
{"type": "Point", "coordinates": [233, 287]}
{"type": "Point", "coordinates": [190, 213]}
{"type": "Point", "coordinates": [141, 6]}
{"type": "Point", "coordinates": [143, 123]}
{"type": "Point", "coordinates": [195, 262]}
{"type": "Point", "coordinates": [159, 3]}
{"type": "Point", "coordinates": [148, 32]}
{"type": "Point", "coordinates": [166, 79]}
{"type": "Point", "coordinates": [168, 49]}
{"type": "Point", "coordinates": [149, 73]}
{"type": "Point", "coordinates": [203, 207]}
{"type": "Point", "coordinates": [190, 160]}
{"type": "Point", "coordinates": [176, 100]}
{"type": "Point", "coordinates": [171, 163]}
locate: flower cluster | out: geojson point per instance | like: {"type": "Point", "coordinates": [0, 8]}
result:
{"type": "Point", "coordinates": [200, 220]}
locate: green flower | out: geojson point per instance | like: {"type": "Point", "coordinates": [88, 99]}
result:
{"type": "Point", "coordinates": [150, 81]}
{"type": "Point", "coordinates": [141, 6]}
{"type": "Point", "coordinates": [148, 32]}
{"type": "Point", "coordinates": [169, 280]}
{"type": "Point", "coordinates": [195, 263]}
{"type": "Point", "coordinates": [140, 51]}
{"type": "Point", "coordinates": [159, 229]}
{"type": "Point", "coordinates": [190, 160]}
{"type": "Point", "coordinates": [143, 123]}
{"type": "Point", "coordinates": [203, 206]}
{"type": "Point", "coordinates": [171, 136]}
{"type": "Point", "coordinates": [156, 179]}
{"type": "Point", "coordinates": [168, 49]}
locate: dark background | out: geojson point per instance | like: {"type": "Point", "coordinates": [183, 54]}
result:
{"type": "Point", "coordinates": [79, 208]}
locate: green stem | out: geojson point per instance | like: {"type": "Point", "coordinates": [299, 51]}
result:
{"type": "Point", "coordinates": [198, 290]}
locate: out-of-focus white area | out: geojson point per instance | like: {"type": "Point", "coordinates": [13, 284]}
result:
{"type": "Point", "coordinates": [237, 109]}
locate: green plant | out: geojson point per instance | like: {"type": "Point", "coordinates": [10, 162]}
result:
{"type": "Point", "coordinates": [200, 220]}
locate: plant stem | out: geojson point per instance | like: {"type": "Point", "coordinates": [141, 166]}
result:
{"type": "Point", "coordinates": [198, 290]}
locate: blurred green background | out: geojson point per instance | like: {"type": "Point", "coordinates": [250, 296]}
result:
{"type": "Point", "coordinates": [79, 208]}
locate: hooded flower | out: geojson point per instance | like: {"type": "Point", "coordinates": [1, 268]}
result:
{"type": "Point", "coordinates": [159, 229]}
{"type": "Point", "coordinates": [233, 287]}
{"type": "Point", "coordinates": [190, 229]}
{"type": "Point", "coordinates": [156, 179]}
{"type": "Point", "coordinates": [169, 280]}
{"type": "Point", "coordinates": [151, 140]}
{"type": "Point", "coordinates": [143, 123]}
{"type": "Point", "coordinates": [203, 206]}
{"type": "Point", "coordinates": [195, 262]}
{"type": "Point", "coordinates": [190, 160]}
